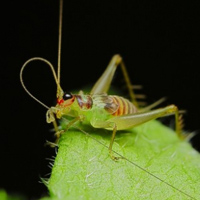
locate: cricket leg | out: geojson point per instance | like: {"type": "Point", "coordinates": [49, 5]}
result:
{"type": "Point", "coordinates": [103, 83]}
{"type": "Point", "coordinates": [57, 135]}
{"type": "Point", "coordinates": [129, 84]}
{"type": "Point", "coordinates": [107, 125]}
{"type": "Point", "coordinates": [58, 132]}
{"type": "Point", "coordinates": [130, 121]}
{"type": "Point", "coordinates": [153, 105]}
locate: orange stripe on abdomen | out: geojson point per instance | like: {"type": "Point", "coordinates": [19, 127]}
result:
{"type": "Point", "coordinates": [124, 106]}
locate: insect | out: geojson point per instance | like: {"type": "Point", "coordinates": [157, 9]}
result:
{"type": "Point", "coordinates": [99, 109]}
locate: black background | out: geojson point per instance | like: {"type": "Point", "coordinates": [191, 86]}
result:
{"type": "Point", "coordinates": [160, 44]}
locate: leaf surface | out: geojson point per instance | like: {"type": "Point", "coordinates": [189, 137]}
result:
{"type": "Point", "coordinates": [156, 165]}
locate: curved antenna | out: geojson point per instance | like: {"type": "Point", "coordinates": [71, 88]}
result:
{"type": "Point", "coordinates": [59, 45]}
{"type": "Point", "coordinates": [54, 75]}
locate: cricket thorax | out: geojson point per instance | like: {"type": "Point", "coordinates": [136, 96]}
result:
{"type": "Point", "coordinates": [114, 105]}
{"type": "Point", "coordinates": [84, 101]}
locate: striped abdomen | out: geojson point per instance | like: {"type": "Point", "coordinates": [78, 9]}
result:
{"type": "Point", "coordinates": [120, 106]}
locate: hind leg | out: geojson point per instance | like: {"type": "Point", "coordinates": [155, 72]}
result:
{"type": "Point", "coordinates": [103, 83]}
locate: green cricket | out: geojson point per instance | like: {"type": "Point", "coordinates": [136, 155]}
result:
{"type": "Point", "coordinates": [101, 110]}
{"type": "Point", "coordinates": [97, 108]}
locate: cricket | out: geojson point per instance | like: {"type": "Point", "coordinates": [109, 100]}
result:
{"type": "Point", "coordinates": [99, 109]}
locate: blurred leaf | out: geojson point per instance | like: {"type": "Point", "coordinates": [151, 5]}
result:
{"type": "Point", "coordinates": [5, 196]}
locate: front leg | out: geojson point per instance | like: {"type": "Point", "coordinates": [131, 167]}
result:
{"type": "Point", "coordinates": [69, 124]}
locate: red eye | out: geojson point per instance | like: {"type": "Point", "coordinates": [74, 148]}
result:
{"type": "Point", "coordinates": [60, 101]}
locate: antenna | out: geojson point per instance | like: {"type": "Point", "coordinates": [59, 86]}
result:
{"type": "Point", "coordinates": [56, 77]}
{"type": "Point", "coordinates": [59, 92]}
{"type": "Point", "coordinates": [52, 69]}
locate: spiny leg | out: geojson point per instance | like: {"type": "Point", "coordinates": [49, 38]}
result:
{"type": "Point", "coordinates": [129, 121]}
{"type": "Point", "coordinates": [57, 135]}
{"type": "Point", "coordinates": [128, 84]}
{"type": "Point", "coordinates": [132, 120]}
{"type": "Point", "coordinates": [103, 83]}
{"type": "Point", "coordinates": [153, 105]}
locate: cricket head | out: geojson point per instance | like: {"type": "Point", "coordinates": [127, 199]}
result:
{"type": "Point", "coordinates": [63, 107]}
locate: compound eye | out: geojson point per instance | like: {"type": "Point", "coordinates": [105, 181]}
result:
{"type": "Point", "coordinates": [67, 95]}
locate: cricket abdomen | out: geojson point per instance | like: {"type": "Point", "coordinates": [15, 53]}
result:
{"type": "Point", "coordinates": [119, 106]}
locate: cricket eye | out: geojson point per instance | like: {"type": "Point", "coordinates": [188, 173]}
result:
{"type": "Point", "coordinates": [67, 96]}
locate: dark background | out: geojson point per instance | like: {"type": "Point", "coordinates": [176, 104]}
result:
{"type": "Point", "coordinates": [160, 44]}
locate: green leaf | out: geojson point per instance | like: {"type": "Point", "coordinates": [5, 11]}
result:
{"type": "Point", "coordinates": [83, 168]}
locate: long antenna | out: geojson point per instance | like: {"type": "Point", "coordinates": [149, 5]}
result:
{"type": "Point", "coordinates": [59, 46]}
{"type": "Point", "coordinates": [54, 75]}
